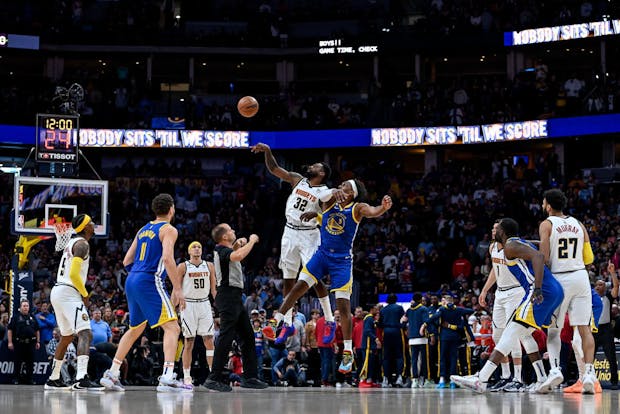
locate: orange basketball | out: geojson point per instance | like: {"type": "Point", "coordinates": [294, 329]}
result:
{"type": "Point", "coordinates": [247, 106]}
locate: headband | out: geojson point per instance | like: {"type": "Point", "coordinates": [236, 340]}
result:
{"type": "Point", "coordinates": [354, 187]}
{"type": "Point", "coordinates": [192, 244]}
{"type": "Point", "coordinates": [83, 224]}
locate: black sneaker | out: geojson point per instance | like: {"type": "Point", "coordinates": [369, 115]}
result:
{"type": "Point", "coordinates": [499, 385]}
{"type": "Point", "coordinates": [86, 384]}
{"type": "Point", "coordinates": [57, 384]}
{"type": "Point", "coordinates": [254, 383]}
{"type": "Point", "coordinates": [217, 386]}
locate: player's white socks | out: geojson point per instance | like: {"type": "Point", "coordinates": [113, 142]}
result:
{"type": "Point", "coordinates": [589, 369]}
{"type": "Point", "coordinates": [288, 317]}
{"type": "Point", "coordinates": [56, 369]}
{"type": "Point", "coordinates": [554, 347]}
{"type": "Point", "coordinates": [168, 370]}
{"type": "Point", "coordinates": [539, 368]}
{"type": "Point", "coordinates": [505, 370]}
{"type": "Point", "coordinates": [327, 308]}
{"type": "Point", "coordinates": [517, 376]}
{"type": "Point", "coordinates": [115, 369]}
{"type": "Point", "coordinates": [82, 367]}
{"type": "Point", "coordinates": [487, 370]}
{"type": "Point", "coordinates": [187, 373]}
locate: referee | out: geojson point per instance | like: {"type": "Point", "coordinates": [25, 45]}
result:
{"type": "Point", "coordinates": [234, 318]}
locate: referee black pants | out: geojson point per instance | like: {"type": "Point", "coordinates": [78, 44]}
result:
{"type": "Point", "coordinates": [605, 338]}
{"type": "Point", "coordinates": [234, 324]}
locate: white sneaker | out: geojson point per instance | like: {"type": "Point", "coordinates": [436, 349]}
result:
{"type": "Point", "coordinates": [554, 379]}
{"type": "Point", "coordinates": [188, 381]}
{"type": "Point", "coordinates": [385, 383]}
{"type": "Point", "coordinates": [111, 382]}
{"type": "Point", "coordinates": [588, 384]}
{"type": "Point", "coordinates": [471, 381]}
{"type": "Point", "coordinates": [399, 381]}
{"type": "Point", "coordinates": [539, 388]}
{"type": "Point", "coordinates": [173, 385]}
{"type": "Point", "coordinates": [414, 383]}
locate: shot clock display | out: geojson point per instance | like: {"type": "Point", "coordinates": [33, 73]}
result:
{"type": "Point", "coordinates": [57, 138]}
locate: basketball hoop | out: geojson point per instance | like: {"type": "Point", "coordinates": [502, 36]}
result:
{"type": "Point", "coordinates": [63, 232]}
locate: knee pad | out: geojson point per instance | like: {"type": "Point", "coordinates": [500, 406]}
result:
{"type": "Point", "coordinates": [309, 280]}
{"type": "Point", "coordinates": [497, 334]}
{"type": "Point", "coordinates": [289, 274]}
{"type": "Point", "coordinates": [339, 294]}
{"type": "Point", "coordinates": [529, 343]}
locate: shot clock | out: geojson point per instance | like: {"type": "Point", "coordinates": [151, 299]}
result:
{"type": "Point", "coordinates": [57, 138]}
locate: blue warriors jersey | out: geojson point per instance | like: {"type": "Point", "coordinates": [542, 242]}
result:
{"type": "Point", "coordinates": [338, 229]}
{"type": "Point", "coordinates": [536, 315]}
{"type": "Point", "coordinates": [523, 270]}
{"type": "Point", "coordinates": [148, 258]}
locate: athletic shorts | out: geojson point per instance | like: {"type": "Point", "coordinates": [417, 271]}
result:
{"type": "Point", "coordinates": [197, 319]}
{"type": "Point", "coordinates": [148, 300]}
{"type": "Point", "coordinates": [577, 298]}
{"type": "Point", "coordinates": [506, 302]}
{"type": "Point", "coordinates": [297, 248]}
{"type": "Point", "coordinates": [338, 266]}
{"type": "Point", "coordinates": [541, 315]}
{"type": "Point", "coordinates": [71, 313]}
{"type": "Point", "coordinates": [597, 310]}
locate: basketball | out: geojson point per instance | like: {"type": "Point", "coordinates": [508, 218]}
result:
{"type": "Point", "coordinates": [247, 106]}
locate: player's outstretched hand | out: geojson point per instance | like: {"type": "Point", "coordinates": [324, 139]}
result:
{"type": "Point", "coordinates": [254, 238]}
{"type": "Point", "coordinates": [386, 203]}
{"type": "Point", "coordinates": [611, 268]}
{"type": "Point", "coordinates": [339, 195]}
{"type": "Point", "coordinates": [260, 147]}
{"type": "Point", "coordinates": [308, 215]}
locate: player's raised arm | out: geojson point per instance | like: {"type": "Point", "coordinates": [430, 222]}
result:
{"type": "Point", "coordinates": [290, 177]}
{"type": "Point", "coordinates": [365, 210]}
{"type": "Point", "coordinates": [544, 232]}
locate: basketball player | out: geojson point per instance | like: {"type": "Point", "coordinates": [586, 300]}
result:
{"type": "Point", "coordinates": [508, 296]}
{"type": "Point", "coordinates": [149, 258]}
{"type": "Point", "coordinates": [197, 318]}
{"type": "Point", "coordinates": [301, 239]}
{"type": "Point", "coordinates": [544, 294]}
{"type": "Point", "coordinates": [70, 299]}
{"type": "Point", "coordinates": [339, 223]}
{"type": "Point", "coordinates": [565, 243]}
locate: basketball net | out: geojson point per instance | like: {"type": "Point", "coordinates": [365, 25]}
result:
{"type": "Point", "coordinates": [63, 232]}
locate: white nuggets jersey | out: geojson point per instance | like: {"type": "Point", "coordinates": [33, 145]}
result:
{"type": "Point", "coordinates": [65, 264]}
{"type": "Point", "coordinates": [303, 198]}
{"type": "Point", "coordinates": [505, 278]}
{"type": "Point", "coordinates": [566, 245]}
{"type": "Point", "coordinates": [196, 282]}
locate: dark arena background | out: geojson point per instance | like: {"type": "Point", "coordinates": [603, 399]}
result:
{"type": "Point", "coordinates": [463, 112]}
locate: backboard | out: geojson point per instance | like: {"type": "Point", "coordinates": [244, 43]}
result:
{"type": "Point", "coordinates": [40, 201]}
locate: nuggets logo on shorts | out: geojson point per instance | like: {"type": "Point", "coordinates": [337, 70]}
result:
{"type": "Point", "coordinates": [84, 317]}
{"type": "Point", "coordinates": [336, 223]}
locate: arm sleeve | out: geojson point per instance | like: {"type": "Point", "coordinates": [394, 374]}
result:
{"type": "Point", "coordinates": [588, 254]}
{"type": "Point", "coordinates": [74, 275]}
{"type": "Point", "coordinates": [326, 195]}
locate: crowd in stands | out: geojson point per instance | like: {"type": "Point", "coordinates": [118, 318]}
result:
{"type": "Point", "coordinates": [435, 240]}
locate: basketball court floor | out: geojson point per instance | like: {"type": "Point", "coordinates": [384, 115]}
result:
{"type": "Point", "coordinates": [139, 400]}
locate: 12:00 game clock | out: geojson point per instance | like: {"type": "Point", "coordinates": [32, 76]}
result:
{"type": "Point", "coordinates": [57, 138]}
